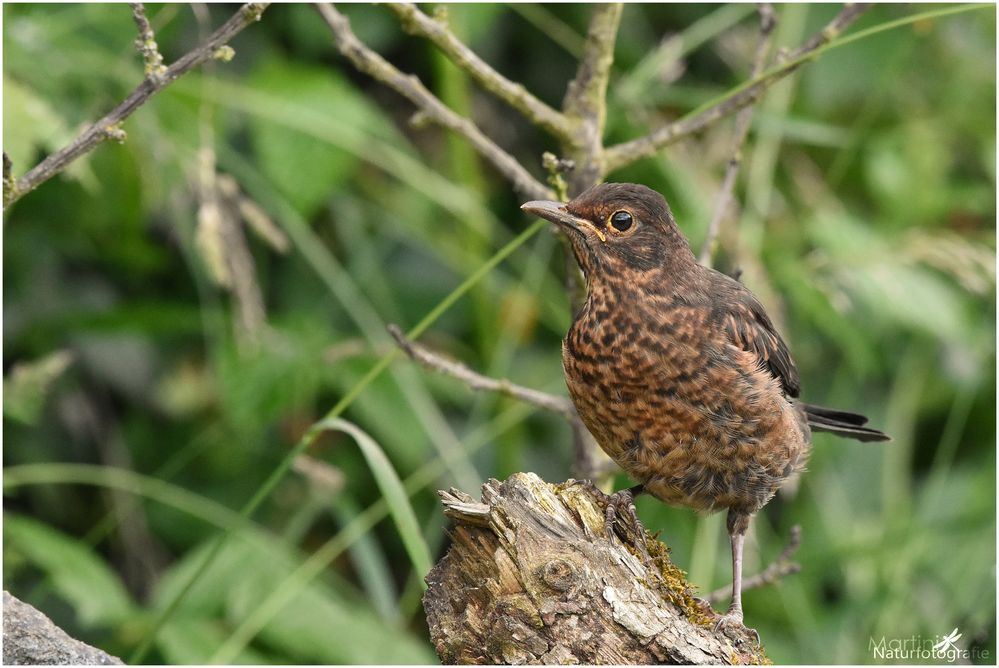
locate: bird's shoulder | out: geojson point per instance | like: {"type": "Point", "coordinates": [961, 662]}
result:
{"type": "Point", "coordinates": [739, 316]}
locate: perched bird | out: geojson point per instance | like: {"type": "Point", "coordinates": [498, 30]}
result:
{"type": "Point", "coordinates": [677, 370]}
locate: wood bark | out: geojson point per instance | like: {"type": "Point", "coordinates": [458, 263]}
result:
{"type": "Point", "coordinates": [532, 576]}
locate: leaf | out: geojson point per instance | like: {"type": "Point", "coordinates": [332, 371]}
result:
{"type": "Point", "coordinates": [189, 640]}
{"type": "Point", "coordinates": [391, 488]}
{"type": "Point", "coordinates": [403, 436]}
{"type": "Point", "coordinates": [302, 168]}
{"type": "Point", "coordinates": [31, 125]}
{"type": "Point", "coordinates": [302, 628]}
{"type": "Point", "coordinates": [373, 568]}
{"type": "Point", "coordinates": [85, 581]}
{"type": "Point", "coordinates": [319, 625]}
{"type": "Point", "coordinates": [28, 383]}
{"type": "Point", "coordinates": [209, 598]}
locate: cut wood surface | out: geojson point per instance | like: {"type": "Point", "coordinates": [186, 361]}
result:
{"type": "Point", "coordinates": [532, 576]}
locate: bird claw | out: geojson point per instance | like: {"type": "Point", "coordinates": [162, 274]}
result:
{"type": "Point", "coordinates": [621, 506]}
{"type": "Point", "coordinates": [730, 624]}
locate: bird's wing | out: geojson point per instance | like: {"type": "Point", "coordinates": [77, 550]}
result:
{"type": "Point", "coordinates": [749, 327]}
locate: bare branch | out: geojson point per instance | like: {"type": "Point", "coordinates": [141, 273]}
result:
{"type": "Point", "coordinates": [850, 13]}
{"type": "Point", "coordinates": [252, 213]}
{"type": "Point", "coordinates": [9, 187]}
{"type": "Point", "coordinates": [108, 126]}
{"type": "Point", "coordinates": [587, 463]}
{"type": "Point", "coordinates": [417, 23]}
{"type": "Point", "coordinates": [628, 152]}
{"type": "Point", "coordinates": [477, 381]}
{"type": "Point", "coordinates": [146, 43]}
{"type": "Point", "coordinates": [768, 22]}
{"type": "Point", "coordinates": [586, 97]}
{"type": "Point", "coordinates": [780, 567]}
{"type": "Point", "coordinates": [410, 87]}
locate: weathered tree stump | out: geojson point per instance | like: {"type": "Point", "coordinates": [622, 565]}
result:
{"type": "Point", "coordinates": [532, 577]}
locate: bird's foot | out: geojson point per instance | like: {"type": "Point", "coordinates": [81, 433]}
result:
{"type": "Point", "coordinates": [730, 624]}
{"type": "Point", "coordinates": [621, 508]}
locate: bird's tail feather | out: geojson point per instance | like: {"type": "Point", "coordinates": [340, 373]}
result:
{"type": "Point", "coordinates": [842, 423]}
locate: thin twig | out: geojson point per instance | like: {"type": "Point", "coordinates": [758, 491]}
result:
{"type": "Point", "coordinates": [9, 187]}
{"type": "Point", "coordinates": [107, 127]}
{"type": "Point", "coordinates": [850, 13]}
{"type": "Point", "coordinates": [410, 87]}
{"type": "Point", "coordinates": [630, 151]}
{"type": "Point", "coordinates": [586, 463]}
{"type": "Point", "coordinates": [477, 381]}
{"type": "Point", "coordinates": [586, 97]}
{"type": "Point", "coordinates": [252, 213]}
{"type": "Point", "coordinates": [146, 43]}
{"type": "Point", "coordinates": [417, 23]}
{"type": "Point", "coordinates": [768, 22]}
{"type": "Point", "coordinates": [780, 567]}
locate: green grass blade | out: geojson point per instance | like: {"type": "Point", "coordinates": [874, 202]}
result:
{"type": "Point", "coordinates": [126, 481]}
{"type": "Point", "coordinates": [391, 489]}
{"type": "Point", "coordinates": [279, 471]}
{"type": "Point", "coordinates": [320, 560]}
{"type": "Point", "coordinates": [397, 162]}
{"type": "Point", "coordinates": [837, 43]}
{"type": "Point", "coordinates": [371, 563]}
{"type": "Point", "coordinates": [360, 310]}
{"type": "Point", "coordinates": [639, 79]}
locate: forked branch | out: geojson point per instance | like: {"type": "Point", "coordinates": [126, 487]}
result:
{"type": "Point", "coordinates": [146, 42]}
{"type": "Point", "coordinates": [410, 87]}
{"type": "Point", "coordinates": [417, 23]}
{"type": "Point", "coordinates": [630, 151]}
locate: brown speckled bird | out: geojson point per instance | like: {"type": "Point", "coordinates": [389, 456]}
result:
{"type": "Point", "coordinates": [677, 370]}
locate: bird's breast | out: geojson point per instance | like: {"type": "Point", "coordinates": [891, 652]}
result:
{"type": "Point", "coordinates": [674, 404]}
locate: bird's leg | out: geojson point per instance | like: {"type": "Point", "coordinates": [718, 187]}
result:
{"type": "Point", "coordinates": [737, 524]}
{"type": "Point", "coordinates": [622, 505]}
{"type": "Point", "coordinates": [735, 609]}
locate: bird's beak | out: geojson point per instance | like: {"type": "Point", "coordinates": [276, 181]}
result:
{"type": "Point", "coordinates": [556, 212]}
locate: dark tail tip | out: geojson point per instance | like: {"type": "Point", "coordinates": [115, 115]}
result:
{"type": "Point", "coordinates": [842, 423]}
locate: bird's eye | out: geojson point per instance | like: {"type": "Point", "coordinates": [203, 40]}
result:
{"type": "Point", "coordinates": [621, 220]}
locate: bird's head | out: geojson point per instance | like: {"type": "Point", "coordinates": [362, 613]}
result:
{"type": "Point", "coordinates": [618, 228]}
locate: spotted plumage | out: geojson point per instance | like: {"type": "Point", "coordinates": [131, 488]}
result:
{"type": "Point", "coordinates": [677, 370]}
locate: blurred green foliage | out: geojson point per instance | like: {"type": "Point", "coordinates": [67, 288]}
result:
{"type": "Point", "coordinates": [866, 224]}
